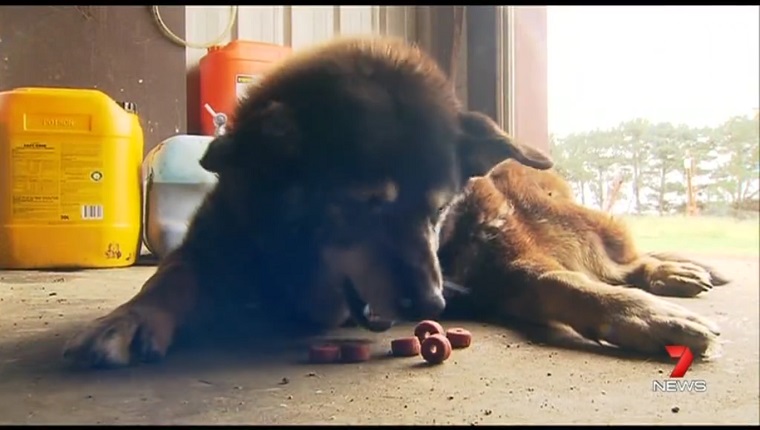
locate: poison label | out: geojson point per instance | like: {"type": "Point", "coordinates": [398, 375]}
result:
{"type": "Point", "coordinates": [243, 82]}
{"type": "Point", "coordinates": [54, 182]}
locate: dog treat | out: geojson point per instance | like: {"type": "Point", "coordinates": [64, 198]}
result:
{"type": "Point", "coordinates": [459, 337]}
{"type": "Point", "coordinates": [324, 353]}
{"type": "Point", "coordinates": [405, 347]}
{"type": "Point", "coordinates": [436, 348]}
{"type": "Point", "coordinates": [427, 328]}
{"type": "Point", "coordinates": [355, 352]}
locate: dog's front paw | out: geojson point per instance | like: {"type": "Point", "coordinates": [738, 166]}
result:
{"type": "Point", "coordinates": [125, 336]}
{"type": "Point", "coordinates": [646, 323]}
{"type": "Point", "coordinates": [679, 279]}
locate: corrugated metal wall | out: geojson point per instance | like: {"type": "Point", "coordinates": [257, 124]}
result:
{"type": "Point", "coordinates": [296, 26]}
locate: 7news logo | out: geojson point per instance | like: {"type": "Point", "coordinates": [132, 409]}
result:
{"type": "Point", "coordinates": [675, 384]}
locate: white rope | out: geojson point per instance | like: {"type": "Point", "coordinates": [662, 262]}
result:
{"type": "Point", "coordinates": [182, 42]}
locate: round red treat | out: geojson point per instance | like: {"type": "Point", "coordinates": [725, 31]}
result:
{"type": "Point", "coordinates": [355, 352]}
{"type": "Point", "coordinates": [427, 328]}
{"type": "Point", "coordinates": [325, 353]}
{"type": "Point", "coordinates": [436, 348]}
{"type": "Point", "coordinates": [405, 347]}
{"type": "Point", "coordinates": [459, 337]}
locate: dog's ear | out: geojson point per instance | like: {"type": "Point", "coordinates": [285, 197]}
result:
{"type": "Point", "coordinates": [265, 134]}
{"type": "Point", "coordinates": [484, 144]}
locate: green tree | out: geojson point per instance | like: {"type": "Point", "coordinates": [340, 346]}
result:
{"type": "Point", "coordinates": [669, 147]}
{"type": "Point", "coordinates": [569, 156]}
{"type": "Point", "coordinates": [601, 155]}
{"type": "Point", "coordinates": [702, 149]}
{"type": "Point", "coordinates": [652, 156]}
{"type": "Point", "coordinates": [667, 156]}
{"type": "Point", "coordinates": [634, 140]}
{"type": "Point", "coordinates": [737, 141]}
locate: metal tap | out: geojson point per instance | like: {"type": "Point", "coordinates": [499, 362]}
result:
{"type": "Point", "coordinates": [220, 121]}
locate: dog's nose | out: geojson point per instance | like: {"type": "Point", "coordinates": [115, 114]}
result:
{"type": "Point", "coordinates": [430, 305]}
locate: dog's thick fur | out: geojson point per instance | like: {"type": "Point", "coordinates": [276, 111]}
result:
{"type": "Point", "coordinates": [331, 180]}
{"type": "Point", "coordinates": [527, 251]}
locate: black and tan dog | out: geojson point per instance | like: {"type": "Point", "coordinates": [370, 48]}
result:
{"type": "Point", "coordinates": [332, 182]}
{"type": "Point", "coordinates": [526, 250]}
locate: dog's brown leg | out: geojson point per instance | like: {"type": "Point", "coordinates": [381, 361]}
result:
{"type": "Point", "coordinates": [658, 273]}
{"type": "Point", "coordinates": [629, 318]}
{"type": "Point", "coordinates": [141, 329]}
{"type": "Point", "coordinates": [671, 275]}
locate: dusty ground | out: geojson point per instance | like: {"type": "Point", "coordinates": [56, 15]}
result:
{"type": "Point", "coordinates": [502, 378]}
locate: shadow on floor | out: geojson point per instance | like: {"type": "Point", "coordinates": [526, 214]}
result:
{"type": "Point", "coordinates": [238, 345]}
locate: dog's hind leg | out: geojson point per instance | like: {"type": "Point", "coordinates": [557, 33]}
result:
{"type": "Point", "coordinates": [629, 318]}
{"type": "Point", "coordinates": [143, 328]}
{"type": "Point", "coordinates": [717, 279]}
{"type": "Point", "coordinates": [670, 275]}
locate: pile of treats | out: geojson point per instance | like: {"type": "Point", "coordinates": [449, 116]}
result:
{"type": "Point", "coordinates": [430, 340]}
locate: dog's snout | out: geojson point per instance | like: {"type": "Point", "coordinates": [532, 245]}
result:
{"type": "Point", "coordinates": [428, 306]}
{"type": "Point", "coordinates": [424, 294]}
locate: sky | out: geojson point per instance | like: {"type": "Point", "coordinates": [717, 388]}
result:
{"type": "Point", "coordinates": [696, 65]}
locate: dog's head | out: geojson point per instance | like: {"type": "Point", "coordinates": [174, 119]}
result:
{"type": "Point", "coordinates": [370, 211]}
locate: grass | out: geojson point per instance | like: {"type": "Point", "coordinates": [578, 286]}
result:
{"type": "Point", "coordinates": [704, 235]}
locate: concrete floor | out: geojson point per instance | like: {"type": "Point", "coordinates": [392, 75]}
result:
{"type": "Point", "coordinates": [502, 378]}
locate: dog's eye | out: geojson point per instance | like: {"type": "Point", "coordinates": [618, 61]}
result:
{"type": "Point", "coordinates": [436, 216]}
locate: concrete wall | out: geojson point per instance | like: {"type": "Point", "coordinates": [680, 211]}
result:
{"type": "Point", "coordinates": [117, 49]}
